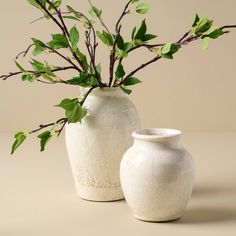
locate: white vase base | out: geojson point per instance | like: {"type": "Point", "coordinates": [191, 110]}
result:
{"type": "Point", "coordinates": [100, 194]}
{"type": "Point", "coordinates": [157, 219]}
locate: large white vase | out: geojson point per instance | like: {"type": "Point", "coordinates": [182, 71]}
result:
{"type": "Point", "coordinates": [95, 147]}
{"type": "Point", "coordinates": [157, 175]}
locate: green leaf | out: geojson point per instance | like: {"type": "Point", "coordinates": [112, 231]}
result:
{"type": "Point", "coordinates": [148, 37]}
{"type": "Point", "coordinates": [133, 32]}
{"type": "Point", "coordinates": [105, 37]}
{"type": "Point", "coordinates": [120, 71]}
{"type": "Point", "coordinates": [20, 67]}
{"type": "Point", "coordinates": [78, 15]}
{"type": "Point", "coordinates": [84, 80]}
{"type": "Point", "coordinates": [83, 59]}
{"type": "Point", "coordinates": [73, 110]}
{"type": "Point", "coordinates": [71, 18]}
{"type": "Point", "coordinates": [121, 53]}
{"type": "Point", "coordinates": [74, 37]}
{"type": "Point", "coordinates": [213, 33]}
{"type": "Point", "coordinates": [99, 68]}
{"type": "Point", "coordinates": [19, 139]}
{"type": "Point", "coordinates": [44, 138]}
{"type": "Point", "coordinates": [37, 65]}
{"type": "Point", "coordinates": [196, 20]}
{"type": "Point", "coordinates": [205, 43]}
{"type": "Point", "coordinates": [138, 42]}
{"type": "Point", "coordinates": [39, 47]}
{"type": "Point", "coordinates": [95, 12]}
{"type": "Point", "coordinates": [76, 115]}
{"type": "Point", "coordinates": [35, 4]}
{"type": "Point", "coordinates": [203, 26]}
{"type": "Point", "coordinates": [120, 42]}
{"type": "Point", "coordinates": [68, 104]}
{"type": "Point", "coordinates": [28, 77]}
{"type": "Point", "coordinates": [128, 46]}
{"type": "Point", "coordinates": [142, 8]}
{"type": "Point", "coordinates": [131, 81]}
{"type": "Point", "coordinates": [126, 90]}
{"type": "Point", "coordinates": [58, 41]}
{"type": "Point", "coordinates": [57, 3]}
{"type": "Point", "coordinates": [169, 49]}
{"type": "Point", "coordinates": [134, 1]}
{"type": "Point", "coordinates": [142, 30]}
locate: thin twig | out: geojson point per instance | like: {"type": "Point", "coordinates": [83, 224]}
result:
{"type": "Point", "coordinates": [64, 120]}
{"type": "Point", "coordinates": [36, 73]}
{"type": "Point", "coordinates": [25, 51]}
{"type": "Point", "coordinates": [122, 16]}
{"type": "Point", "coordinates": [100, 19]}
{"type": "Point", "coordinates": [49, 14]}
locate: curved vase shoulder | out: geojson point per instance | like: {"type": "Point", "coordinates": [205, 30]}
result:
{"type": "Point", "coordinates": [96, 146]}
{"type": "Point", "coordinates": [157, 175]}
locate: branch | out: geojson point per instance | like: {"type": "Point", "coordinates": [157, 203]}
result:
{"type": "Point", "coordinates": [184, 40]}
{"type": "Point", "coordinates": [25, 51]}
{"type": "Point", "coordinates": [158, 57]}
{"type": "Point", "coordinates": [100, 19]}
{"type": "Point", "coordinates": [63, 120]}
{"type": "Point", "coordinates": [61, 25]}
{"type": "Point", "coordinates": [49, 14]}
{"type": "Point", "coordinates": [228, 27]}
{"type": "Point", "coordinates": [122, 16]}
{"type": "Point", "coordinates": [65, 58]}
{"type": "Point", "coordinates": [36, 73]}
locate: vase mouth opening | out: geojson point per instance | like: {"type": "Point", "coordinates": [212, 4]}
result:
{"type": "Point", "coordinates": [156, 133]}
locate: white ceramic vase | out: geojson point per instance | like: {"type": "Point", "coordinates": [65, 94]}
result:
{"type": "Point", "coordinates": [157, 175]}
{"type": "Point", "coordinates": [95, 147]}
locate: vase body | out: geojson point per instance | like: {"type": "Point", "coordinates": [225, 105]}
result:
{"type": "Point", "coordinates": [96, 146]}
{"type": "Point", "coordinates": [157, 175]}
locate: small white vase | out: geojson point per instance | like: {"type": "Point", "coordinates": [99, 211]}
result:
{"type": "Point", "coordinates": [157, 175]}
{"type": "Point", "coordinates": [95, 147]}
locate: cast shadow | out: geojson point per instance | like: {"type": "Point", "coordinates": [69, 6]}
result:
{"type": "Point", "coordinates": [205, 191]}
{"type": "Point", "coordinates": [209, 214]}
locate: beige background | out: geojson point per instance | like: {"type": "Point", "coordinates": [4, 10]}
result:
{"type": "Point", "coordinates": [195, 92]}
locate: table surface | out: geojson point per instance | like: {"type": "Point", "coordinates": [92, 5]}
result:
{"type": "Point", "coordinates": [37, 196]}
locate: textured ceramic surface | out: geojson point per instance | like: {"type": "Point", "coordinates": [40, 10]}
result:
{"type": "Point", "coordinates": [157, 175]}
{"type": "Point", "coordinates": [96, 146]}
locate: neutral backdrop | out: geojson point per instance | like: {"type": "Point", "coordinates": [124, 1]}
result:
{"type": "Point", "coordinates": [194, 92]}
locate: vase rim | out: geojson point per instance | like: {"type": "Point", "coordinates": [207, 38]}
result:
{"type": "Point", "coordinates": [156, 133]}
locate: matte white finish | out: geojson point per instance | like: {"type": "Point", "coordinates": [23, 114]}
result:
{"type": "Point", "coordinates": [96, 146]}
{"type": "Point", "coordinates": [157, 175]}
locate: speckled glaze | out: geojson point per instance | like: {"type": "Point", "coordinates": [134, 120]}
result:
{"type": "Point", "coordinates": [96, 146]}
{"type": "Point", "coordinates": [157, 175]}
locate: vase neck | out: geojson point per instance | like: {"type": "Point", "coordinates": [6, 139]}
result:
{"type": "Point", "coordinates": [106, 92]}
{"type": "Point", "coordinates": [163, 138]}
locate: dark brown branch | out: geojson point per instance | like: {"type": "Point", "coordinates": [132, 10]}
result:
{"type": "Point", "coordinates": [64, 120]}
{"type": "Point", "coordinates": [184, 40]}
{"type": "Point", "coordinates": [50, 15]}
{"type": "Point", "coordinates": [36, 73]}
{"type": "Point", "coordinates": [25, 51]}
{"type": "Point", "coordinates": [113, 52]}
{"type": "Point", "coordinates": [141, 67]}
{"type": "Point", "coordinates": [184, 36]}
{"type": "Point", "coordinates": [227, 27]}
{"type": "Point", "coordinates": [65, 58]}
{"type": "Point", "coordinates": [61, 121]}
{"type": "Point", "coordinates": [61, 25]}
{"type": "Point", "coordinates": [122, 16]}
